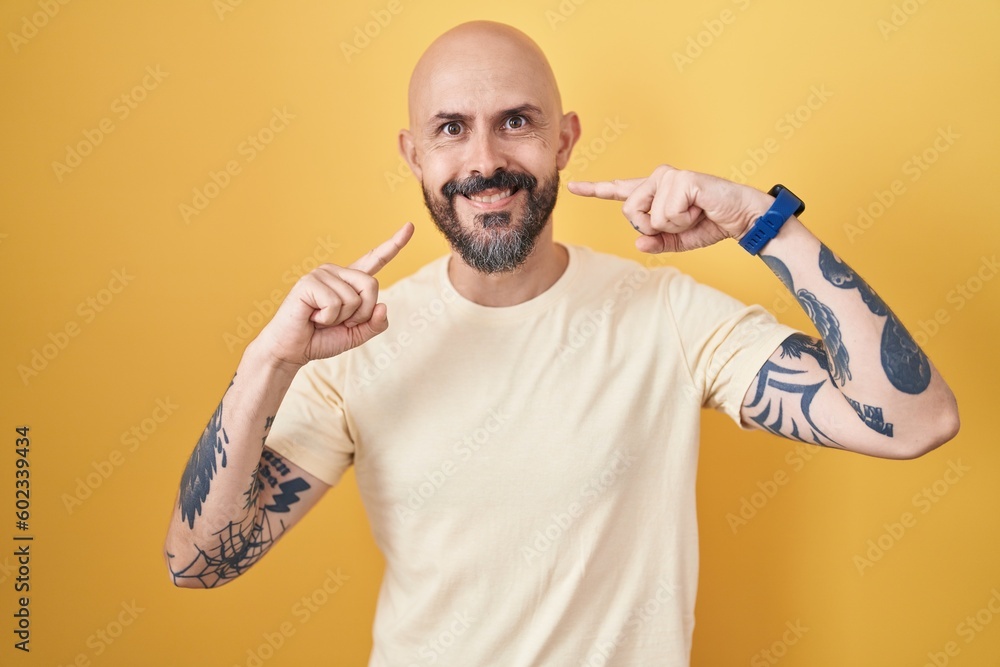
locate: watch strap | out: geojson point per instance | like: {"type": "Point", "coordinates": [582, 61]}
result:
{"type": "Point", "coordinates": [766, 227]}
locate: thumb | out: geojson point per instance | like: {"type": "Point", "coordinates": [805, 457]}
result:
{"type": "Point", "coordinates": [365, 331]}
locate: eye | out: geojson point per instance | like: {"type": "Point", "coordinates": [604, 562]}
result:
{"type": "Point", "coordinates": [452, 129]}
{"type": "Point", "coordinates": [516, 122]}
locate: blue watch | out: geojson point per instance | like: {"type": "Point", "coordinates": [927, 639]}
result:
{"type": "Point", "coordinates": [785, 205]}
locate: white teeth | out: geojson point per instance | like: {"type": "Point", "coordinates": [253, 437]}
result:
{"type": "Point", "coordinates": [491, 198]}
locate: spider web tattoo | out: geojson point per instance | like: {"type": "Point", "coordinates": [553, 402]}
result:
{"type": "Point", "coordinates": [232, 555]}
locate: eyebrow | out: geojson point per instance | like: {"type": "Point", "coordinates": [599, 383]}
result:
{"type": "Point", "coordinates": [523, 109]}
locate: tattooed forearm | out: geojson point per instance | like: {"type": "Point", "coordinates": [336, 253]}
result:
{"type": "Point", "coordinates": [784, 407]}
{"type": "Point", "coordinates": [904, 363]}
{"type": "Point", "coordinates": [823, 317]}
{"type": "Point", "coordinates": [242, 543]}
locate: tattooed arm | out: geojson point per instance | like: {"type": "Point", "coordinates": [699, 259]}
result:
{"type": "Point", "coordinates": [237, 497]}
{"type": "Point", "coordinates": [865, 385]}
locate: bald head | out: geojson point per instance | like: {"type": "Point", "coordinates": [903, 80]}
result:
{"type": "Point", "coordinates": [481, 58]}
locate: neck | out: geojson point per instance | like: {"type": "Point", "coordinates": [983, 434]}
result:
{"type": "Point", "coordinates": [539, 272]}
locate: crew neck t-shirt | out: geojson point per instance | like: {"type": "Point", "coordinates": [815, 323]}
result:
{"type": "Point", "coordinates": [529, 471]}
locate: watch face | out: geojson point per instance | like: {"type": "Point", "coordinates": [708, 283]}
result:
{"type": "Point", "coordinates": [774, 191]}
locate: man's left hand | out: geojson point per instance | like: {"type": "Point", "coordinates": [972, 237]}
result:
{"type": "Point", "coordinates": [679, 210]}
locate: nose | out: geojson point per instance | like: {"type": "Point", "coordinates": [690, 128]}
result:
{"type": "Point", "coordinates": [485, 154]}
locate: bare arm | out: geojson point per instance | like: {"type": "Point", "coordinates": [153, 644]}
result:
{"type": "Point", "coordinates": [237, 497]}
{"type": "Point", "coordinates": [866, 386]}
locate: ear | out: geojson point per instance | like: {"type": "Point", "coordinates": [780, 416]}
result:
{"type": "Point", "coordinates": [409, 152]}
{"type": "Point", "coordinates": [569, 133]}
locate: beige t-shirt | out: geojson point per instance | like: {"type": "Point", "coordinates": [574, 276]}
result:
{"type": "Point", "coordinates": [529, 472]}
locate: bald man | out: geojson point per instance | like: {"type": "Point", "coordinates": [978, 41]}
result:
{"type": "Point", "coordinates": [525, 435]}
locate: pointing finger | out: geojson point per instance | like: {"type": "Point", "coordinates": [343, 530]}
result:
{"type": "Point", "coordinates": [376, 259]}
{"type": "Point", "coordinates": [618, 190]}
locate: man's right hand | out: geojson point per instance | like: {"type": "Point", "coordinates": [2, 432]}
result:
{"type": "Point", "coordinates": [331, 309]}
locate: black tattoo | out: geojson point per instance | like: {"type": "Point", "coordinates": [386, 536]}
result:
{"type": "Point", "coordinates": [232, 554]}
{"type": "Point", "coordinates": [825, 320]}
{"type": "Point", "coordinates": [201, 467]}
{"type": "Point", "coordinates": [872, 417]}
{"type": "Point", "coordinates": [797, 344]}
{"type": "Point", "coordinates": [274, 460]}
{"type": "Point", "coordinates": [267, 428]}
{"type": "Point", "coordinates": [281, 502]}
{"type": "Point", "coordinates": [237, 547]}
{"type": "Point", "coordinates": [773, 406]}
{"type": "Point", "coordinates": [780, 270]}
{"type": "Point", "coordinates": [905, 364]}
{"type": "Point", "coordinates": [839, 274]}
{"type": "Point", "coordinates": [829, 330]}
{"type": "Point", "coordinates": [253, 493]}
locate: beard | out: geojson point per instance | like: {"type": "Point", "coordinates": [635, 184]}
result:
{"type": "Point", "coordinates": [494, 243]}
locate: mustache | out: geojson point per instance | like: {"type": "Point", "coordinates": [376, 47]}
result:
{"type": "Point", "coordinates": [502, 180]}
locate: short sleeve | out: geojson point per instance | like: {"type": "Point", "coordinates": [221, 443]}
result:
{"type": "Point", "coordinates": [725, 342]}
{"type": "Point", "coordinates": [310, 428]}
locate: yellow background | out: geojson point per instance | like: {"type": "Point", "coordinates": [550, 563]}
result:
{"type": "Point", "coordinates": [331, 177]}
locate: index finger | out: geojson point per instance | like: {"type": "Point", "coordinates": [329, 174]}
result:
{"type": "Point", "coordinates": [373, 262]}
{"type": "Point", "coordinates": [618, 190]}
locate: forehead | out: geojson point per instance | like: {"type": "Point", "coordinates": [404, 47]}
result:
{"type": "Point", "coordinates": [476, 74]}
{"type": "Point", "coordinates": [479, 89]}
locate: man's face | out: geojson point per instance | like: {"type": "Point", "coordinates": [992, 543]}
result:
{"type": "Point", "coordinates": [486, 143]}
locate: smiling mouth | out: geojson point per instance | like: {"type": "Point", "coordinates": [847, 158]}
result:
{"type": "Point", "coordinates": [483, 198]}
